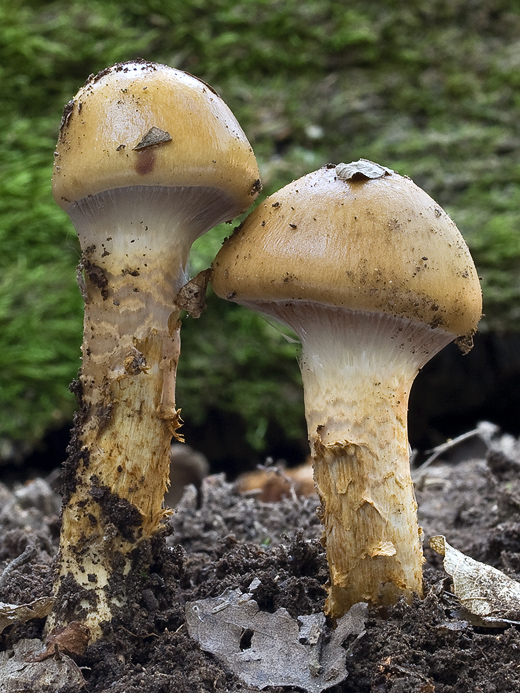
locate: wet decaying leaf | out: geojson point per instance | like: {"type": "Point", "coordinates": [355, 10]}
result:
{"type": "Point", "coordinates": [20, 670]}
{"type": "Point", "coordinates": [13, 613]}
{"type": "Point", "coordinates": [273, 649]}
{"type": "Point", "coordinates": [484, 591]}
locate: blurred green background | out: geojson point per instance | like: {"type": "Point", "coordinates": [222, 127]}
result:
{"type": "Point", "coordinates": [428, 87]}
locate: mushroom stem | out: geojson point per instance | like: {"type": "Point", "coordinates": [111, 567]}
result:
{"type": "Point", "coordinates": [375, 279]}
{"type": "Point", "coordinates": [357, 370]}
{"type": "Point", "coordinates": [148, 159]}
{"type": "Point", "coordinates": [118, 472]}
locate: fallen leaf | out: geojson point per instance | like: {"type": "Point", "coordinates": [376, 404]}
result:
{"type": "Point", "coordinates": [361, 170]}
{"type": "Point", "coordinates": [273, 649]}
{"type": "Point", "coordinates": [71, 639]}
{"type": "Point", "coordinates": [153, 137]}
{"type": "Point", "coordinates": [14, 613]}
{"type": "Point", "coordinates": [192, 296]}
{"type": "Point", "coordinates": [20, 670]}
{"type": "Point", "coordinates": [483, 591]}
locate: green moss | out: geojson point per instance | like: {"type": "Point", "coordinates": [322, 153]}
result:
{"type": "Point", "coordinates": [429, 88]}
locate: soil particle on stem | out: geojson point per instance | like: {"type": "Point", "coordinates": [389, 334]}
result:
{"type": "Point", "coordinates": [116, 510]}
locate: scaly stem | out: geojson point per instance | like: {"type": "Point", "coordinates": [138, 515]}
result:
{"type": "Point", "coordinates": [118, 468]}
{"type": "Point", "coordinates": [357, 371]}
{"type": "Point", "coordinates": [362, 475]}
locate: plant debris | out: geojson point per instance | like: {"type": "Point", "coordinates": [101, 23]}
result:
{"type": "Point", "coordinates": [71, 639]}
{"type": "Point", "coordinates": [21, 670]}
{"type": "Point", "coordinates": [13, 613]}
{"type": "Point", "coordinates": [153, 137]}
{"type": "Point", "coordinates": [274, 649]}
{"type": "Point", "coordinates": [192, 296]}
{"type": "Point", "coordinates": [483, 591]}
{"type": "Point", "coordinates": [362, 170]}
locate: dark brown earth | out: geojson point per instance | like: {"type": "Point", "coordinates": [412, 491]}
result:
{"type": "Point", "coordinates": [226, 540]}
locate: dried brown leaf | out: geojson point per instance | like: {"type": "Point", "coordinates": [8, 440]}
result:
{"type": "Point", "coordinates": [72, 639]}
{"type": "Point", "coordinates": [192, 296]}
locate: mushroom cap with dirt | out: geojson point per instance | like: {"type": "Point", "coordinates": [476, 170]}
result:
{"type": "Point", "coordinates": [148, 159]}
{"type": "Point", "coordinates": [145, 124]}
{"type": "Point", "coordinates": [375, 279]}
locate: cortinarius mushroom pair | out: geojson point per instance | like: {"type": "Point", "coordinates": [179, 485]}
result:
{"type": "Point", "coordinates": [375, 279]}
{"type": "Point", "coordinates": [366, 268]}
{"type": "Point", "coordinates": [148, 159]}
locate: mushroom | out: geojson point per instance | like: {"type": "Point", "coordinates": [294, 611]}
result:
{"type": "Point", "coordinates": [374, 278]}
{"type": "Point", "coordinates": [148, 159]}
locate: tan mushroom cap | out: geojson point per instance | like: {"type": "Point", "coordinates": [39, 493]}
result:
{"type": "Point", "coordinates": [141, 123]}
{"type": "Point", "coordinates": [369, 244]}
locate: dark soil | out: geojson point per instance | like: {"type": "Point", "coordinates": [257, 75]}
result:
{"type": "Point", "coordinates": [222, 539]}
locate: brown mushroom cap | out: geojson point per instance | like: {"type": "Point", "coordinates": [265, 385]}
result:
{"type": "Point", "coordinates": [378, 244]}
{"type": "Point", "coordinates": [140, 123]}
